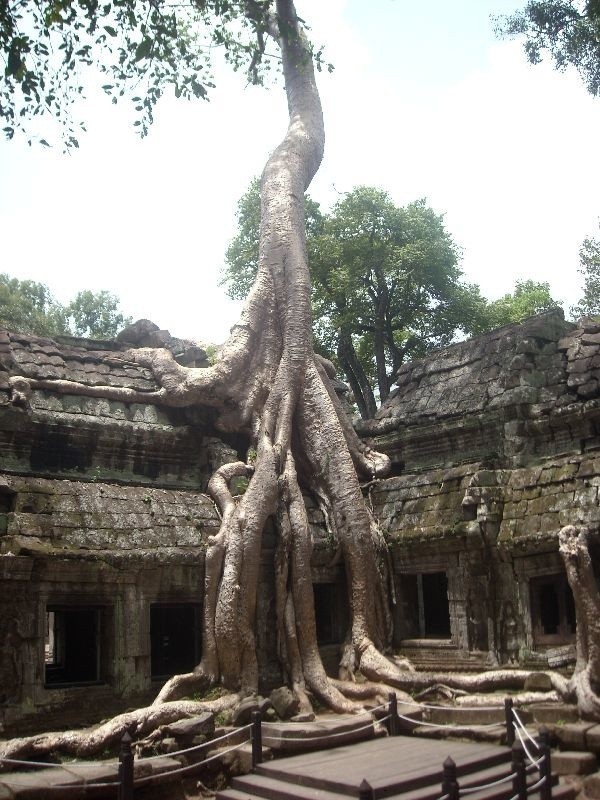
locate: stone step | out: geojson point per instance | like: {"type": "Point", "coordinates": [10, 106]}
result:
{"type": "Point", "coordinates": [545, 713]}
{"type": "Point", "coordinates": [278, 789]}
{"type": "Point", "coordinates": [574, 762]}
{"type": "Point", "coordinates": [291, 737]}
{"type": "Point", "coordinates": [495, 734]}
{"type": "Point", "coordinates": [467, 715]}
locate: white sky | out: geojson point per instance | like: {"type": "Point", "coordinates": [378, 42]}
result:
{"type": "Point", "coordinates": [424, 102]}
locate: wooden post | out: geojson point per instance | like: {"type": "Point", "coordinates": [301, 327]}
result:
{"type": "Point", "coordinates": [546, 765]}
{"type": "Point", "coordinates": [365, 790]}
{"type": "Point", "coordinates": [126, 769]}
{"type": "Point", "coordinates": [392, 723]}
{"type": "Point", "coordinates": [510, 721]}
{"type": "Point", "coordinates": [518, 767]}
{"type": "Point", "coordinates": [449, 781]}
{"type": "Point", "coordinates": [256, 732]}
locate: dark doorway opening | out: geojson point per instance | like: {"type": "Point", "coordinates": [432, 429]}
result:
{"type": "Point", "coordinates": [72, 646]}
{"type": "Point", "coordinates": [552, 610]}
{"type": "Point", "coordinates": [324, 594]}
{"type": "Point", "coordinates": [436, 608]}
{"type": "Point", "coordinates": [425, 605]}
{"type": "Point", "coordinates": [174, 639]}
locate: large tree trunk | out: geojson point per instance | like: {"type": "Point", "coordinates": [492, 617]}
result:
{"type": "Point", "coordinates": [585, 684]}
{"type": "Point", "coordinates": [359, 383]}
{"type": "Point", "coordinates": [269, 383]}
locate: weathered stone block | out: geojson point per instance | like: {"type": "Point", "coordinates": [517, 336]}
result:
{"type": "Point", "coordinates": [573, 763]}
{"type": "Point", "coordinates": [284, 702]}
{"type": "Point", "coordinates": [538, 682]}
{"type": "Point", "coordinates": [592, 739]}
{"type": "Point", "coordinates": [552, 713]}
{"type": "Point", "coordinates": [194, 726]}
{"type": "Point", "coordinates": [591, 787]}
{"type": "Point", "coordinates": [572, 736]}
{"type": "Point", "coordinates": [588, 389]}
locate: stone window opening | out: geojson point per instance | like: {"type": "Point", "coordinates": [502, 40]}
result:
{"type": "Point", "coordinates": [7, 504]}
{"type": "Point", "coordinates": [72, 646]}
{"type": "Point", "coordinates": [175, 642]}
{"type": "Point", "coordinates": [324, 596]}
{"type": "Point", "coordinates": [552, 610]}
{"type": "Point", "coordinates": [426, 605]}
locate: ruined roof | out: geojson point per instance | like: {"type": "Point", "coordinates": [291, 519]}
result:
{"type": "Point", "coordinates": [91, 362]}
{"type": "Point", "coordinates": [58, 417]}
{"type": "Point", "coordinates": [544, 362]}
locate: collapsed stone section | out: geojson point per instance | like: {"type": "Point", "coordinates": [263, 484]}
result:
{"type": "Point", "coordinates": [520, 393]}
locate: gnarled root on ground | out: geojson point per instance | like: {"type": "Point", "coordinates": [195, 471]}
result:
{"type": "Point", "coordinates": [90, 741]}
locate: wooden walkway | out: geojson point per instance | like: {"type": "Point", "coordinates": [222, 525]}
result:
{"type": "Point", "coordinates": [396, 767]}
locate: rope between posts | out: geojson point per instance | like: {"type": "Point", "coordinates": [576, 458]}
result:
{"type": "Point", "coordinates": [85, 785]}
{"type": "Point", "coordinates": [471, 789]}
{"type": "Point", "coordinates": [520, 723]}
{"type": "Point", "coordinates": [66, 765]}
{"type": "Point", "coordinates": [447, 727]}
{"type": "Point", "coordinates": [199, 746]}
{"type": "Point", "coordinates": [529, 756]}
{"type": "Point", "coordinates": [536, 785]}
{"type": "Point", "coordinates": [188, 767]}
{"type": "Point", "coordinates": [325, 736]}
{"type": "Point", "coordinates": [366, 713]}
{"type": "Point", "coordinates": [62, 786]}
{"type": "Point", "coordinates": [535, 764]}
{"type": "Point", "coordinates": [444, 797]}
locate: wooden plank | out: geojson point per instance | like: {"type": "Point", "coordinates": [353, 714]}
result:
{"type": "Point", "coordinates": [388, 764]}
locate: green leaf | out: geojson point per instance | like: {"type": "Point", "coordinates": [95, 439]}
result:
{"type": "Point", "coordinates": [44, 142]}
{"type": "Point", "coordinates": [143, 49]}
{"type": "Point", "coordinates": [14, 61]}
{"type": "Point", "coordinates": [110, 30]}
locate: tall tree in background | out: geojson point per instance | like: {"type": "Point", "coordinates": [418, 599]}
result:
{"type": "Point", "coordinates": [569, 30]}
{"type": "Point", "coordinates": [95, 315]}
{"type": "Point", "coordinates": [589, 260]}
{"type": "Point", "coordinates": [386, 284]}
{"type": "Point", "coordinates": [29, 307]}
{"type": "Point", "coordinates": [528, 298]}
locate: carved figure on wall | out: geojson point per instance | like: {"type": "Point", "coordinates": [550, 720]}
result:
{"type": "Point", "coordinates": [11, 674]}
{"type": "Point", "coordinates": [510, 634]}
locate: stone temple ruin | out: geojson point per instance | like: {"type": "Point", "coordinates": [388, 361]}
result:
{"type": "Point", "coordinates": [495, 445]}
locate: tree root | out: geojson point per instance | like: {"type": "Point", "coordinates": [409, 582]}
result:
{"type": "Point", "coordinates": [519, 699]}
{"type": "Point", "coordinates": [88, 742]}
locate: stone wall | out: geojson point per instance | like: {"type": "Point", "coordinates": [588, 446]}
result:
{"type": "Point", "coordinates": [494, 443]}
{"type": "Point", "coordinates": [90, 437]}
{"type": "Point", "coordinates": [513, 396]}
{"type": "Point", "coordinates": [102, 514]}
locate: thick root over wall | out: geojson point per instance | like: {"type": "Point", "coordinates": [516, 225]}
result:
{"type": "Point", "coordinates": [269, 383]}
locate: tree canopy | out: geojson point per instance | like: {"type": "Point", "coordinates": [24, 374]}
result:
{"type": "Point", "coordinates": [589, 261]}
{"type": "Point", "coordinates": [569, 30]}
{"type": "Point", "coordinates": [528, 298]}
{"type": "Point", "coordinates": [386, 285]}
{"type": "Point", "coordinates": [29, 307]}
{"type": "Point", "coordinates": [53, 52]}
